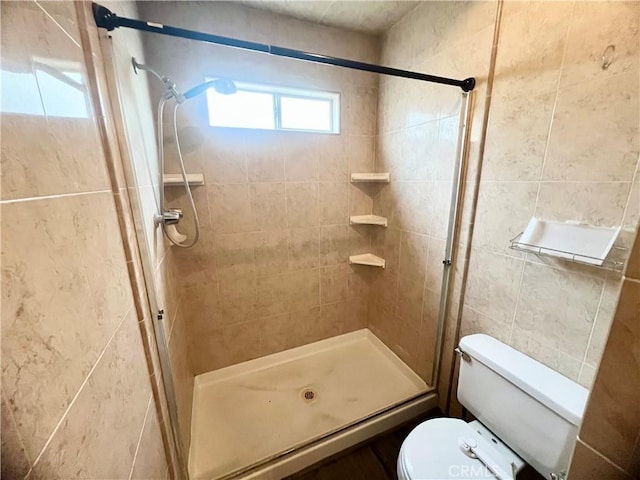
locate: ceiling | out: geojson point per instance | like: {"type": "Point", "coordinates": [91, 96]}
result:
{"type": "Point", "coordinates": [373, 17]}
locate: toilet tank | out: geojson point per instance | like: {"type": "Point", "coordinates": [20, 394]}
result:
{"type": "Point", "coordinates": [531, 408]}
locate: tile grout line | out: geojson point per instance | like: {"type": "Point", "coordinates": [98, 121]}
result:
{"type": "Point", "coordinates": [80, 389]}
{"type": "Point", "coordinates": [593, 326]}
{"type": "Point", "coordinates": [54, 21]}
{"type": "Point", "coordinates": [144, 424]}
{"type": "Point", "coordinates": [53, 196]}
{"type": "Point", "coordinates": [553, 111]}
{"type": "Point", "coordinates": [515, 309]}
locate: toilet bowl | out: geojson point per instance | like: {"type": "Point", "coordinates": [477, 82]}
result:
{"type": "Point", "coordinates": [526, 414]}
{"type": "Point", "coordinates": [432, 451]}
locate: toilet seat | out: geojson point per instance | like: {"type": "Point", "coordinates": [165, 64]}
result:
{"type": "Point", "coordinates": [431, 452]}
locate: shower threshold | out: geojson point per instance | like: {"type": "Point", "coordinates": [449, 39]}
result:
{"type": "Point", "coordinates": [256, 410]}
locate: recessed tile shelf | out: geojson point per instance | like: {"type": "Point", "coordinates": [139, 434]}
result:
{"type": "Point", "coordinates": [175, 179]}
{"type": "Point", "coordinates": [370, 177]}
{"type": "Point", "coordinates": [368, 259]}
{"type": "Point", "coordinates": [368, 220]}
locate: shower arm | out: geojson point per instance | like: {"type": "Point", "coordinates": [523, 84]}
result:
{"type": "Point", "coordinates": [105, 18]}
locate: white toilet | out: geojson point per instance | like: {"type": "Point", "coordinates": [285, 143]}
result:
{"type": "Point", "coordinates": [526, 413]}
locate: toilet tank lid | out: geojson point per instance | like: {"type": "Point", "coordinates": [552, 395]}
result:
{"type": "Point", "coordinates": [556, 392]}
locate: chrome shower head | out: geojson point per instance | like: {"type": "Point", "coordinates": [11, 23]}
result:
{"type": "Point", "coordinates": [221, 85]}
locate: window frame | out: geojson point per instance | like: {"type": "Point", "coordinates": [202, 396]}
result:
{"type": "Point", "coordinates": [278, 92]}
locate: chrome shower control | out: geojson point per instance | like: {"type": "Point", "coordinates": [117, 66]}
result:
{"type": "Point", "coordinates": [168, 217]}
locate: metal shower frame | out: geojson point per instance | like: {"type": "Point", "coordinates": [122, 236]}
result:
{"type": "Point", "coordinates": [105, 18]}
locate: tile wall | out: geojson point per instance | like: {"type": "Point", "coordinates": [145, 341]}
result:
{"type": "Point", "coordinates": [416, 143]}
{"type": "Point", "coordinates": [609, 439]}
{"type": "Point", "coordinates": [270, 271]}
{"type": "Point", "coordinates": [562, 144]}
{"type": "Point", "coordinates": [131, 103]}
{"type": "Point", "coordinates": [72, 348]}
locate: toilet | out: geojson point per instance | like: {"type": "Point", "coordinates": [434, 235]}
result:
{"type": "Point", "coordinates": [526, 414]}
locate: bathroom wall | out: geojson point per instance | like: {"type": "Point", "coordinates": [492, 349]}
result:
{"type": "Point", "coordinates": [416, 142]}
{"type": "Point", "coordinates": [131, 102]}
{"type": "Point", "coordinates": [609, 440]}
{"type": "Point", "coordinates": [562, 144]}
{"type": "Point", "coordinates": [76, 395]}
{"type": "Point", "coordinates": [270, 271]}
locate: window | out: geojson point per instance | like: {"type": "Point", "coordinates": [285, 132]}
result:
{"type": "Point", "coordinates": [275, 108]}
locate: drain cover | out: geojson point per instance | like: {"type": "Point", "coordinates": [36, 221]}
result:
{"type": "Point", "coordinates": [308, 395]}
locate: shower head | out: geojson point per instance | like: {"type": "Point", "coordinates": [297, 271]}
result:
{"type": "Point", "coordinates": [221, 85]}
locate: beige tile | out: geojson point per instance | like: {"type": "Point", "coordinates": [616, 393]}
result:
{"type": "Point", "coordinates": [475, 322]}
{"type": "Point", "coordinates": [617, 25]}
{"type": "Point", "coordinates": [411, 276]}
{"type": "Point", "coordinates": [611, 421]}
{"type": "Point", "coordinates": [334, 244]}
{"type": "Point", "coordinates": [604, 108]}
{"type": "Point", "coordinates": [360, 199]}
{"type": "Point", "coordinates": [304, 289]}
{"type": "Point", "coordinates": [587, 376]}
{"type": "Point", "coordinates": [226, 346]}
{"type": "Point", "coordinates": [271, 251]}
{"type": "Point", "coordinates": [361, 154]}
{"type": "Point", "coordinates": [517, 137]}
{"type": "Point", "coordinates": [303, 248]}
{"type": "Point", "coordinates": [632, 214]}
{"type": "Point", "coordinates": [359, 239]}
{"type": "Point", "coordinates": [150, 463]}
{"type": "Point", "coordinates": [333, 158]}
{"type": "Point", "coordinates": [334, 205]}
{"type": "Point", "coordinates": [493, 283]}
{"type": "Point", "coordinates": [600, 204]}
{"type": "Point", "coordinates": [544, 350]}
{"type": "Point", "coordinates": [15, 463]}
{"type": "Point", "coordinates": [633, 264]}
{"type": "Point", "coordinates": [268, 205]}
{"type": "Point", "coordinates": [302, 204]}
{"type": "Point", "coordinates": [265, 158]}
{"type": "Point", "coordinates": [224, 157]}
{"type": "Point", "coordinates": [238, 297]}
{"type": "Point", "coordinates": [588, 464]}
{"type": "Point", "coordinates": [60, 307]}
{"type": "Point", "coordinates": [503, 211]}
{"type": "Point", "coordinates": [300, 157]}
{"type": "Point", "coordinates": [333, 283]}
{"type": "Point", "coordinates": [234, 254]}
{"type": "Point", "coordinates": [606, 311]}
{"type": "Point", "coordinates": [386, 243]}
{"type": "Point", "coordinates": [230, 208]}
{"type": "Point", "coordinates": [115, 397]}
{"type": "Point", "coordinates": [363, 117]}
{"type": "Point", "coordinates": [525, 56]}
{"type": "Point", "coordinates": [273, 295]}
{"type": "Point", "coordinates": [182, 373]}
{"type": "Point", "coordinates": [69, 128]}
{"type": "Point", "coordinates": [558, 305]}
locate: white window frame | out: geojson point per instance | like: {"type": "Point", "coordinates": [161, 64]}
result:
{"type": "Point", "coordinates": [333, 98]}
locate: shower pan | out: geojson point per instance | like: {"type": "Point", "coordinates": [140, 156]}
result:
{"type": "Point", "coordinates": [278, 412]}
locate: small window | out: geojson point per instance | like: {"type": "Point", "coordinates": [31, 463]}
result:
{"type": "Point", "coordinates": [269, 107]}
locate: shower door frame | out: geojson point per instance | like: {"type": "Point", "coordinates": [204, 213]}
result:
{"type": "Point", "coordinates": [411, 404]}
{"type": "Point", "coordinates": [157, 312]}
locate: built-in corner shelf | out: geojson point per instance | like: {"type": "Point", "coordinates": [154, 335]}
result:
{"type": "Point", "coordinates": [367, 259]}
{"type": "Point", "coordinates": [368, 220]}
{"type": "Point", "coordinates": [370, 177]}
{"type": "Point", "coordinates": [175, 179]}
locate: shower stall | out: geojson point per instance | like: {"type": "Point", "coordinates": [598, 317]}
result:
{"type": "Point", "coordinates": [307, 312]}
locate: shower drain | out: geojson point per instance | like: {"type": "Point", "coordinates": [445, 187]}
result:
{"type": "Point", "coordinates": [308, 395]}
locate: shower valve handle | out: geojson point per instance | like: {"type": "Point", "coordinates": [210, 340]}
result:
{"type": "Point", "coordinates": [168, 217]}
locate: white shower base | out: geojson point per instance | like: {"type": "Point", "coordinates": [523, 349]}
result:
{"type": "Point", "coordinates": [255, 410]}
